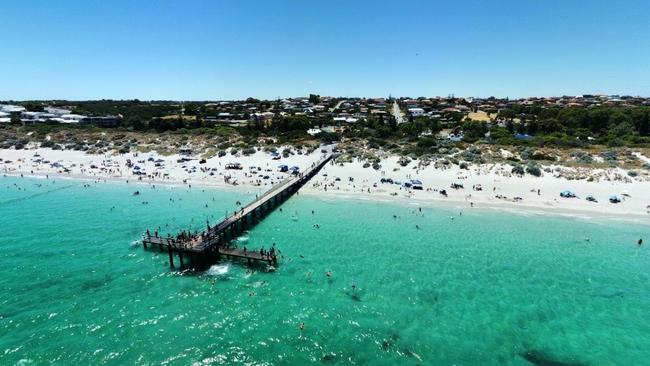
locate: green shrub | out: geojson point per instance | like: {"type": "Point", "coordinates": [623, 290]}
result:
{"type": "Point", "coordinates": [534, 170]}
{"type": "Point", "coordinates": [518, 170]}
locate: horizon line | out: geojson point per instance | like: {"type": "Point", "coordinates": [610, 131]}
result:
{"type": "Point", "coordinates": [451, 96]}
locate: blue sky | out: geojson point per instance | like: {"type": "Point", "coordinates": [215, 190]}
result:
{"type": "Point", "coordinates": [208, 50]}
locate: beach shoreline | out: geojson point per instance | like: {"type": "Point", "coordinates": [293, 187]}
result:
{"type": "Point", "coordinates": [534, 195]}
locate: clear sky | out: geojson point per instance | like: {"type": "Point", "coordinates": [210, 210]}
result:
{"type": "Point", "coordinates": [200, 50]}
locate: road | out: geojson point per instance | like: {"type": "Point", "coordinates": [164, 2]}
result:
{"type": "Point", "coordinates": [337, 106]}
{"type": "Point", "coordinates": [399, 117]}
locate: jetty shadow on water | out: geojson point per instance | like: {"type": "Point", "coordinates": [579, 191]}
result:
{"type": "Point", "coordinates": [540, 358]}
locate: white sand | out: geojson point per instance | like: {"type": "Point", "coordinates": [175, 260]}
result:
{"type": "Point", "coordinates": [494, 179]}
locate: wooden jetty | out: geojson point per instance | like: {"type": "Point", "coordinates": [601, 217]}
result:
{"type": "Point", "coordinates": [210, 245]}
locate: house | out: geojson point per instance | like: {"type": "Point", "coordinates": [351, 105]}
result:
{"type": "Point", "coordinates": [11, 109]}
{"type": "Point", "coordinates": [106, 121]}
{"type": "Point", "coordinates": [415, 112]}
{"type": "Point", "coordinates": [262, 117]}
{"type": "Point", "coordinates": [5, 117]}
{"type": "Point", "coordinates": [57, 111]}
{"type": "Point", "coordinates": [71, 118]}
{"type": "Point", "coordinates": [345, 119]}
{"type": "Point", "coordinates": [34, 117]}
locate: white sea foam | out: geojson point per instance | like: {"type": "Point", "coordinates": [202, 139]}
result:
{"type": "Point", "coordinates": [218, 270]}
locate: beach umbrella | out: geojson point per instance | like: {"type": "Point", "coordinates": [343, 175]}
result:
{"type": "Point", "coordinates": [416, 181]}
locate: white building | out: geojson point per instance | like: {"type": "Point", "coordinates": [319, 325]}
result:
{"type": "Point", "coordinates": [345, 119]}
{"type": "Point", "coordinates": [5, 117]}
{"type": "Point", "coordinates": [415, 112]}
{"type": "Point", "coordinates": [57, 111]}
{"type": "Point", "coordinates": [9, 108]}
{"type": "Point", "coordinates": [69, 118]}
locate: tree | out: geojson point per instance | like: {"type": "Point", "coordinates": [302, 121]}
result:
{"type": "Point", "coordinates": [135, 122]}
{"type": "Point", "coordinates": [34, 107]}
{"type": "Point", "coordinates": [643, 124]}
{"type": "Point", "coordinates": [392, 123]}
{"type": "Point", "coordinates": [15, 119]}
{"type": "Point", "coordinates": [473, 130]}
{"type": "Point", "coordinates": [291, 123]}
{"type": "Point", "coordinates": [314, 98]}
{"type": "Point", "coordinates": [191, 109]}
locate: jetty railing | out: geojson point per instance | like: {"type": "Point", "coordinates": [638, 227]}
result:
{"type": "Point", "coordinates": [213, 243]}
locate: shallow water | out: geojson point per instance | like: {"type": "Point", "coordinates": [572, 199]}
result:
{"type": "Point", "coordinates": [485, 288]}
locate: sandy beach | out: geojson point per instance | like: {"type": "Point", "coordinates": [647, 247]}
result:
{"type": "Point", "coordinates": [483, 186]}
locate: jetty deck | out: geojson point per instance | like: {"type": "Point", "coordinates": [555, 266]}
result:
{"type": "Point", "coordinates": [213, 243]}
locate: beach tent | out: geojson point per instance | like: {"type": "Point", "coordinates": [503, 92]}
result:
{"type": "Point", "coordinates": [614, 199]}
{"type": "Point", "coordinates": [417, 184]}
{"type": "Point", "coordinates": [567, 194]}
{"type": "Point", "coordinates": [295, 168]}
{"type": "Point", "coordinates": [283, 168]}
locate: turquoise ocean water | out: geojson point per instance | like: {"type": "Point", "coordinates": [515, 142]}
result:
{"type": "Point", "coordinates": [486, 288]}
